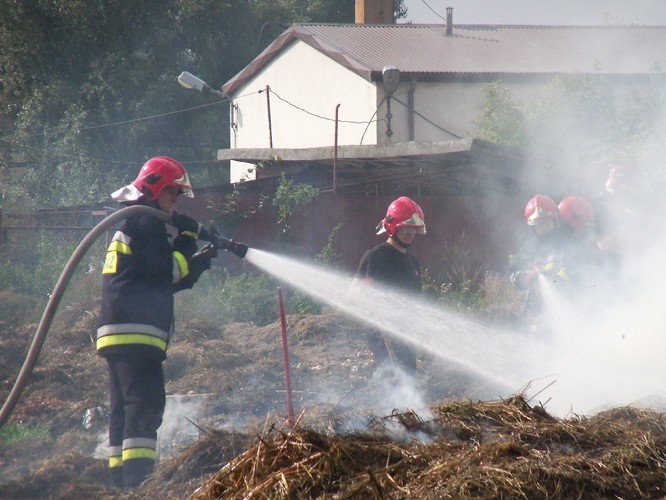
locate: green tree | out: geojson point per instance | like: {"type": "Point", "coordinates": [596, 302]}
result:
{"type": "Point", "coordinates": [288, 196]}
{"type": "Point", "coordinates": [575, 127]}
{"type": "Point", "coordinates": [70, 68]}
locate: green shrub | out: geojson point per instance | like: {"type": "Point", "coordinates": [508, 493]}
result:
{"type": "Point", "coordinates": [247, 297]}
{"type": "Point", "coordinates": [31, 262]}
{"type": "Point", "coordinates": [13, 433]}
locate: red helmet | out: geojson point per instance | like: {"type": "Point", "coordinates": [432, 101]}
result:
{"type": "Point", "coordinates": [403, 212]}
{"type": "Point", "coordinates": [540, 207]}
{"type": "Point", "coordinates": [627, 179]}
{"type": "Point", "coordinates": [156, 174]}
{"type": "Point", "coordinates": [576, 211]}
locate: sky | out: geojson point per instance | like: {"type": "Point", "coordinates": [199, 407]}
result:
{"type": "Point", "coordinates": [556, 12]}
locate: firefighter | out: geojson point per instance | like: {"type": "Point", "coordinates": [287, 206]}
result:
{"type": "Point", "coordinates": [584, 262]}
{"type": "Point", "coordinates": [621, 210]}
{"type": "Point", "coordinates": [539, 255]}
{"type": "Point", "coordinates": [389, 263]}
{"type": "Point", "coordinates": [142, 271]}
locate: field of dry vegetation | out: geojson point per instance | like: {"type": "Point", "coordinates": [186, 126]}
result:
{"type": "Point", "coordinates": [454, 438]}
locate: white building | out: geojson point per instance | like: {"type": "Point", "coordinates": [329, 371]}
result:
{"type": "Point", "coordinates": [287, 97]}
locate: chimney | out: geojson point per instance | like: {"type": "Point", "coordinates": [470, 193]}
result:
{"type": "Point", "coordinates": [449, 21]}
{"type": "Point", "coordinates": [374, 12]}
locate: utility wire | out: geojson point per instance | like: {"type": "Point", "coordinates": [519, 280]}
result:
{"type": "Point", "coordinates": [119, 162]}
{"type": "Point", "coordinates": [433, 10]}
{"type": "Point", "coordinates": [428, 120]}
{"type": "Point", "coordinates": [134, 120]}
{"type": "Point", "coordinates": [373, 114]}
{"type": "Point", "coordinates": [315, 114]}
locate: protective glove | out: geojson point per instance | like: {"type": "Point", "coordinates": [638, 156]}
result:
{"type": "Point", "coordinates": [208, 251]}
{"type": "Point", "coordinates": [199, 262]}
{"type": "Point", "coordinates": [186, 225]}
{"type": "Point", "coordinates": [185, 244]}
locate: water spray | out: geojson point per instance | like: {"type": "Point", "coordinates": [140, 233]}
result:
{"type": "Point", "coordinates": [503, 357]}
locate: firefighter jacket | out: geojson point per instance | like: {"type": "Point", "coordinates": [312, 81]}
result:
{"type": "Point", "coordinates": [141, 272]}
{"type": "Point", "coordinates": [386, 265]}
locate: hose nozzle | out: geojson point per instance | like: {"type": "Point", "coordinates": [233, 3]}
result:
{"type": "Point", "coordinates": [235, 247]}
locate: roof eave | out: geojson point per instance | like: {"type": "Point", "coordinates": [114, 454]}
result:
{"type": "Point", "coordinates": [295, 32]}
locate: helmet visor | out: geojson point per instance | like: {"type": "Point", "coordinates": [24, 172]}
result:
{"type": "Point", "coordinates": [539, 216]}
{"type": "Point", "coordinates": [416, 222]}
{"type": "Point", "coordinates": [183, 183]}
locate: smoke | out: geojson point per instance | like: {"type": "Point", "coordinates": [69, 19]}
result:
{"type": "Point", "coordinates": [177, 429]}
{"type": "Point", "coordinates": [607, 346]}
{"type": "Point", "coordinates": [604, 347]}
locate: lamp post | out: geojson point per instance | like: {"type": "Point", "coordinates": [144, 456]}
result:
{"type": "Point", "coordinates": [391, 80]}
{"type": "Point", "coordinates": [189, 81]}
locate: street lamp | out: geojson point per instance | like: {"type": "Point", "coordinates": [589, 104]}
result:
{"type": "Point", "coordinates": [189, 81]}
{"type": "Point", "coordinates": [391, 80]}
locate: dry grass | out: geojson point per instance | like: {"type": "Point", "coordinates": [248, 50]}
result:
{"type": "Point", "coordinates": [503, 449]}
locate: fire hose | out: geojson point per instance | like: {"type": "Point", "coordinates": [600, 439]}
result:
{"type": "Point", "coordinates": [239, 249]}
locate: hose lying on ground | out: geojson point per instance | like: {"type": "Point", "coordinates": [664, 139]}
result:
{"type": "Point", "coordinates": [59, 290]}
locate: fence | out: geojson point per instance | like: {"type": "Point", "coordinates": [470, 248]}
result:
{"type": "Point", "coordinates": [66, 220]}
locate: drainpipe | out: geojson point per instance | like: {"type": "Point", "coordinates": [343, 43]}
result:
{"type": "Point", "coordinates": [410, 109]}
{"type": "Point", "coordinates": [335, 153]}
{"type": "Point", "coordinates": [270, 125]}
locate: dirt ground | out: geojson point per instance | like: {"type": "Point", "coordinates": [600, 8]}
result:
{"type": "Point", "coordinates": [227, 396]}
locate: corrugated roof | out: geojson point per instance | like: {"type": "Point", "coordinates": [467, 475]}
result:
{"type": "Point", "coordinates": [426, 50]}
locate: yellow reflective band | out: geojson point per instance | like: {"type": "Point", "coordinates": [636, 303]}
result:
{"type": "Point", "coordinates": [115, 462]}
{"type": "Point", "coordinates": [182, 264]}
{"type": "Point", "coordinates": [119, 246]}
{"type": "Point", "coordinates": [110, 263]}
{"type": "Point", "coordinates": [549, 266]}
{"type": "Point", "coordinates": [133, 453]}
{"type": "Point", "coordinates": [191, 234]}
{"type": "Point", "coordinates": [130, 338]}
{"type": "Point", "coordinates": [562, 273]}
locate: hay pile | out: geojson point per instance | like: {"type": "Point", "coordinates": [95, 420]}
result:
{"type": "Point", "coordinates": [71, 475]}
{"type": "Point", "coordinates": [180, 475]}
{"type": "Point", "coordinates": [491, 449]}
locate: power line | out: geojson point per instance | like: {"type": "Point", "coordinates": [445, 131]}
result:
{"type": "Point", "coordinates": [100, 160]}
{"type": "Point", "coordinates": [433, 10]}
{"type": "Point", "coordinates": [428, 119]}
{"type": "Point", "coordinates": [133, 120]}
{"type": "Point", "coordinates": [315, 114]}
{"type": "Point", "coordinates": [373, 114]}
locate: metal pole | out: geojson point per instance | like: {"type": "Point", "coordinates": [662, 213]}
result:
{"type": "Point", "coordinates": [335, 151]}
{"type": "Point", "coordinates": [270, 125]}
{"type": "Point", "coordinates": [285, 352]}
{"type": "Point", "coordinates": [389, 132]}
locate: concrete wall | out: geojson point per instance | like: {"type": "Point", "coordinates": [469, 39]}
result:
{"type": "Point", "coordinates": [492, 225]}
{"type": "Point", "coordinates": [312, 81]}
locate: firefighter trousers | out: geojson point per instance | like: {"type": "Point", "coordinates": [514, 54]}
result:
{"type": "Point", "coordinates": [137, 400]}
{"type": "Point", "coordinates": [403, 354]}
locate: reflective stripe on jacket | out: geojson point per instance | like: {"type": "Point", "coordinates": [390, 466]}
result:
{"type": "Point", "coordinates": [138, 277]}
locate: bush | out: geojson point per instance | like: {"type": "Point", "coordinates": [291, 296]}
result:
{"type": "Point", "coordinates": [16, 432]}
{"type": "Point", "coordinates": [247, 297]}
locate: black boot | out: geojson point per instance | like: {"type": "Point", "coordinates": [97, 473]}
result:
{"type": "Point", "coordinates": [136, 471]}
{"type": "Point", "coordinates": [116, 477]}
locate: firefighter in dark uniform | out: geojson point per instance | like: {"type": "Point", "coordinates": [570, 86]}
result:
{"type": "Point", "coordinates": [621, 209]}
{"type": "Point", "coordinates": [542, 254]}
{"type": "Point", "coordinates": [142, 271]}
{"type": "Point", "coordinates": [390, 264]}
{"type": "Point", "coordinates": [584, 262]}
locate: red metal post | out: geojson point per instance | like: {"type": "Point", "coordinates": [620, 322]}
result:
{"type": "Point", "coordinates": [285, 352]}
